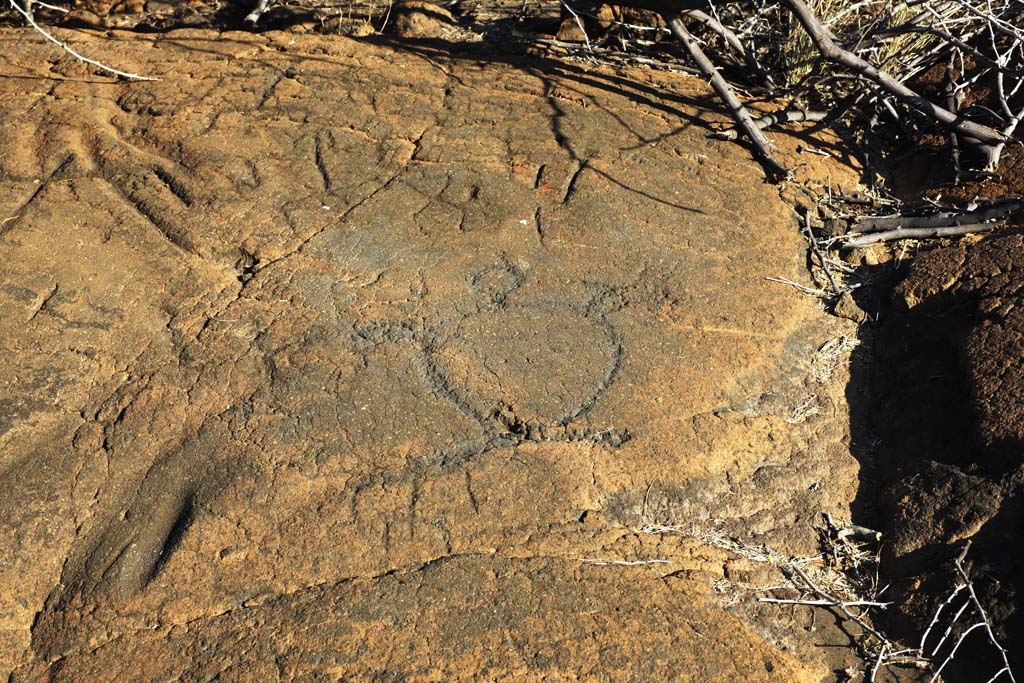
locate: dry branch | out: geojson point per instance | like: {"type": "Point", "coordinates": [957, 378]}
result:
{"type": "Point", "coordinates": [732, 40]}
{"type": "Point", "coordinates": [917, 234]}
{"type": "Point", "coordinates": [826, 603]}
{"type": "Point", "coordinates": [826, 45]}
{"type": "Point", "coordinates": [965, 577]}
{"type": "Point", "coordinates": [838, 582]}
{"type": "Point", "coordinates": [769, 120]}
{"type": "Point", "coordinates": [939, 220]}
{"type": "Point", "coordinates": [822, 261]}
{"type": "Point", "coordinates": [26, 13]}
{"type": "Point", "coordinates": [258, 11]}
{"type": "Point", "coordinates": [762, 146]}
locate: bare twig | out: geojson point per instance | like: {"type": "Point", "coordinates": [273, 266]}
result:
{"type": "Point", "coordinates": [959, 563]}
{"type": "Point", "coordinates": [950, 626]}
{"type": "Point", "coordinates": [579, 24]}
{"type": "Point", "coordinates": [809, 235]}
{"type": "Point", "coordinates": [769, 120]}
{"type": "Point", "coordinates": [826, 45]}
{"type": "Point", "coordinates": [958, 44]}
{"type": "Point", "coordinates": [917, 234]}
{"type": "Point", "coordinates": [878, 662]}
{"type": "Point", "coordinates": [953, 98]}
{"type": "Point", "coordinates": [952, 653]}
{"type": "Point", "coordinates": [762, 146]}
{"type": "Point", "coordinates": [838, 583]}
{"type": "Point", "coordinates": [816, 293]}
{"type": "Point", "coordinates": [938, 612]}
{"type": "Point", "coordinates": [31, 3]}
{"type": "Point", "coordinates": [732, 40]}
{"type": "Point", "coordinates": [258, 11]}
{"type": "Point", "coordinates": [856, 618]}
{"type": "Point", "coordinates": [826, 603]}
{"type": "Point", "coordinates": [942, 219]}
{"type": "Point", "coordinates": [994, 152]}
{"type": "Point", "coordinates": [611, 56]}
{"type": "Point", "coordinates": [72, 52]}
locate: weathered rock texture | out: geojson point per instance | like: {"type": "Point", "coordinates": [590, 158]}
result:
{"type": "Point", "coordinates": [952, 419]}
{"type": "Point", "coordinates": [326, 360]}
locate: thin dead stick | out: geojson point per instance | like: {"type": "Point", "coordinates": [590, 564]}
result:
{"type": "Point", "coordinates": [994, 152]}
{"type": "Point", "coordinates": [31, 3]}
{"type": "Point", "coordinates": [826, 45]}
{"type": "Point", "coordinates": [817, 252]}
{"type": "Point", "coordinates": [732, 40]}
{"type": "Point", "coordinates": [579, 24]}
{"type": "Point", "coordinates": [917, 234]}
{"type": "Point", "coordinates": [868, 628]}
{"type": "Point", "coordinates": [952, 654]}
{"type": "Point", "coordinates": [940, 220]}
{"type": "Point", "coordinates": [938, 613]}
{"type": "Point", "coordinates": [878, 661]}
{"type": "Point", "coordinates": [258, 11]}
{"type": "Point", "coordinates": [826, 603]}
{"type": "Point", "coordinates": [992, 21]}
{"type": "Point", "coordinates": [874, 202]}
{"type": "Point", "coordinates": [957, 43]}
{"type": "Point", "coordinates": [610, 55]}
{"type": "Point", "coordinates": [953, 99]}
{"type": "Point", "coordinates": [769, 120]}
{"type": "Point", "coordinates": [949, 628]}
{"type": "Point", "coordinates": [818, 293]}
{"type": "Point", "coordinates": [762, 145]}
{"type": "Point", "coordinates": [959, 563]}
{"type": "Point", "coordinates": [616, 22]}
{"type": "Point", "coordinates": [70, 51]}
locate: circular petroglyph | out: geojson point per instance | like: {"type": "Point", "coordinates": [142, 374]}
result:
{"type": "Point", "coordinates": [543, 365]}
{"type": "Point", "coordinates": [497, 281]}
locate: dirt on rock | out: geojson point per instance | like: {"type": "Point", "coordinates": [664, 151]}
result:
{"type": "Point", "coordinates": [328, 359]}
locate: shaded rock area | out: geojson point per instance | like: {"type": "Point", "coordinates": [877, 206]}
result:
{"type": "Point", "coordinates": [951, 417]}
{"type": "Point", "coordinates": [331, 360]}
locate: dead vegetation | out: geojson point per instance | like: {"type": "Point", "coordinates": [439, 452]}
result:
{"type": "Point", "coordinates": [831, 62]}
{"type": "Point", "coordinates": [867, 61]}
{"type": "Point", "coordinates": [843, 578]}
{"type": "Point", "coordinates": [869, 65]}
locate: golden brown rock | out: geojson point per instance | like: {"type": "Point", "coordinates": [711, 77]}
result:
{"type": "Point", "coordinates": [418, 19]}
{"type": "Point", "coordinates": [330, 361]}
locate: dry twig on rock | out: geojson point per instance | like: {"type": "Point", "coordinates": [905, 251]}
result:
{"type": "Point", "coordinates": [769, 120]}
{"type": "Point", "coordinates": [27, 14]}
{"type": "Point", "coordinates": [874, 229]}
{"type": "Point", "coordinates": [762, 146]}
{"type": "Point", "coordinates": [875, 49]}
{"type": "Point", "coordinates": [972, 604]}
{"type": "Point", "coordinates": [840, 579]}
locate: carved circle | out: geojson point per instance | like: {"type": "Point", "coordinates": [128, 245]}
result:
{"type": "Point", "coordinates": [544, 365]}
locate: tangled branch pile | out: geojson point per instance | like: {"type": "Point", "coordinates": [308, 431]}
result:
{"type": "Point", "coordinates": [917, 65]}
{"type": "Point", "coordinates": [906, 67]}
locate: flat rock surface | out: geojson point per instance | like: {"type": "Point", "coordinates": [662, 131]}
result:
{"type": "Point", "coordinates": [336, 360]}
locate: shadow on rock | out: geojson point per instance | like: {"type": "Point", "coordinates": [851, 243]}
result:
{"type": "Point", "coordinates": [938, 406]}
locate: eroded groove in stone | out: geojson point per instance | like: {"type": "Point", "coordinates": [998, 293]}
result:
{"type": "Point", "coordinates": [427, 312]}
